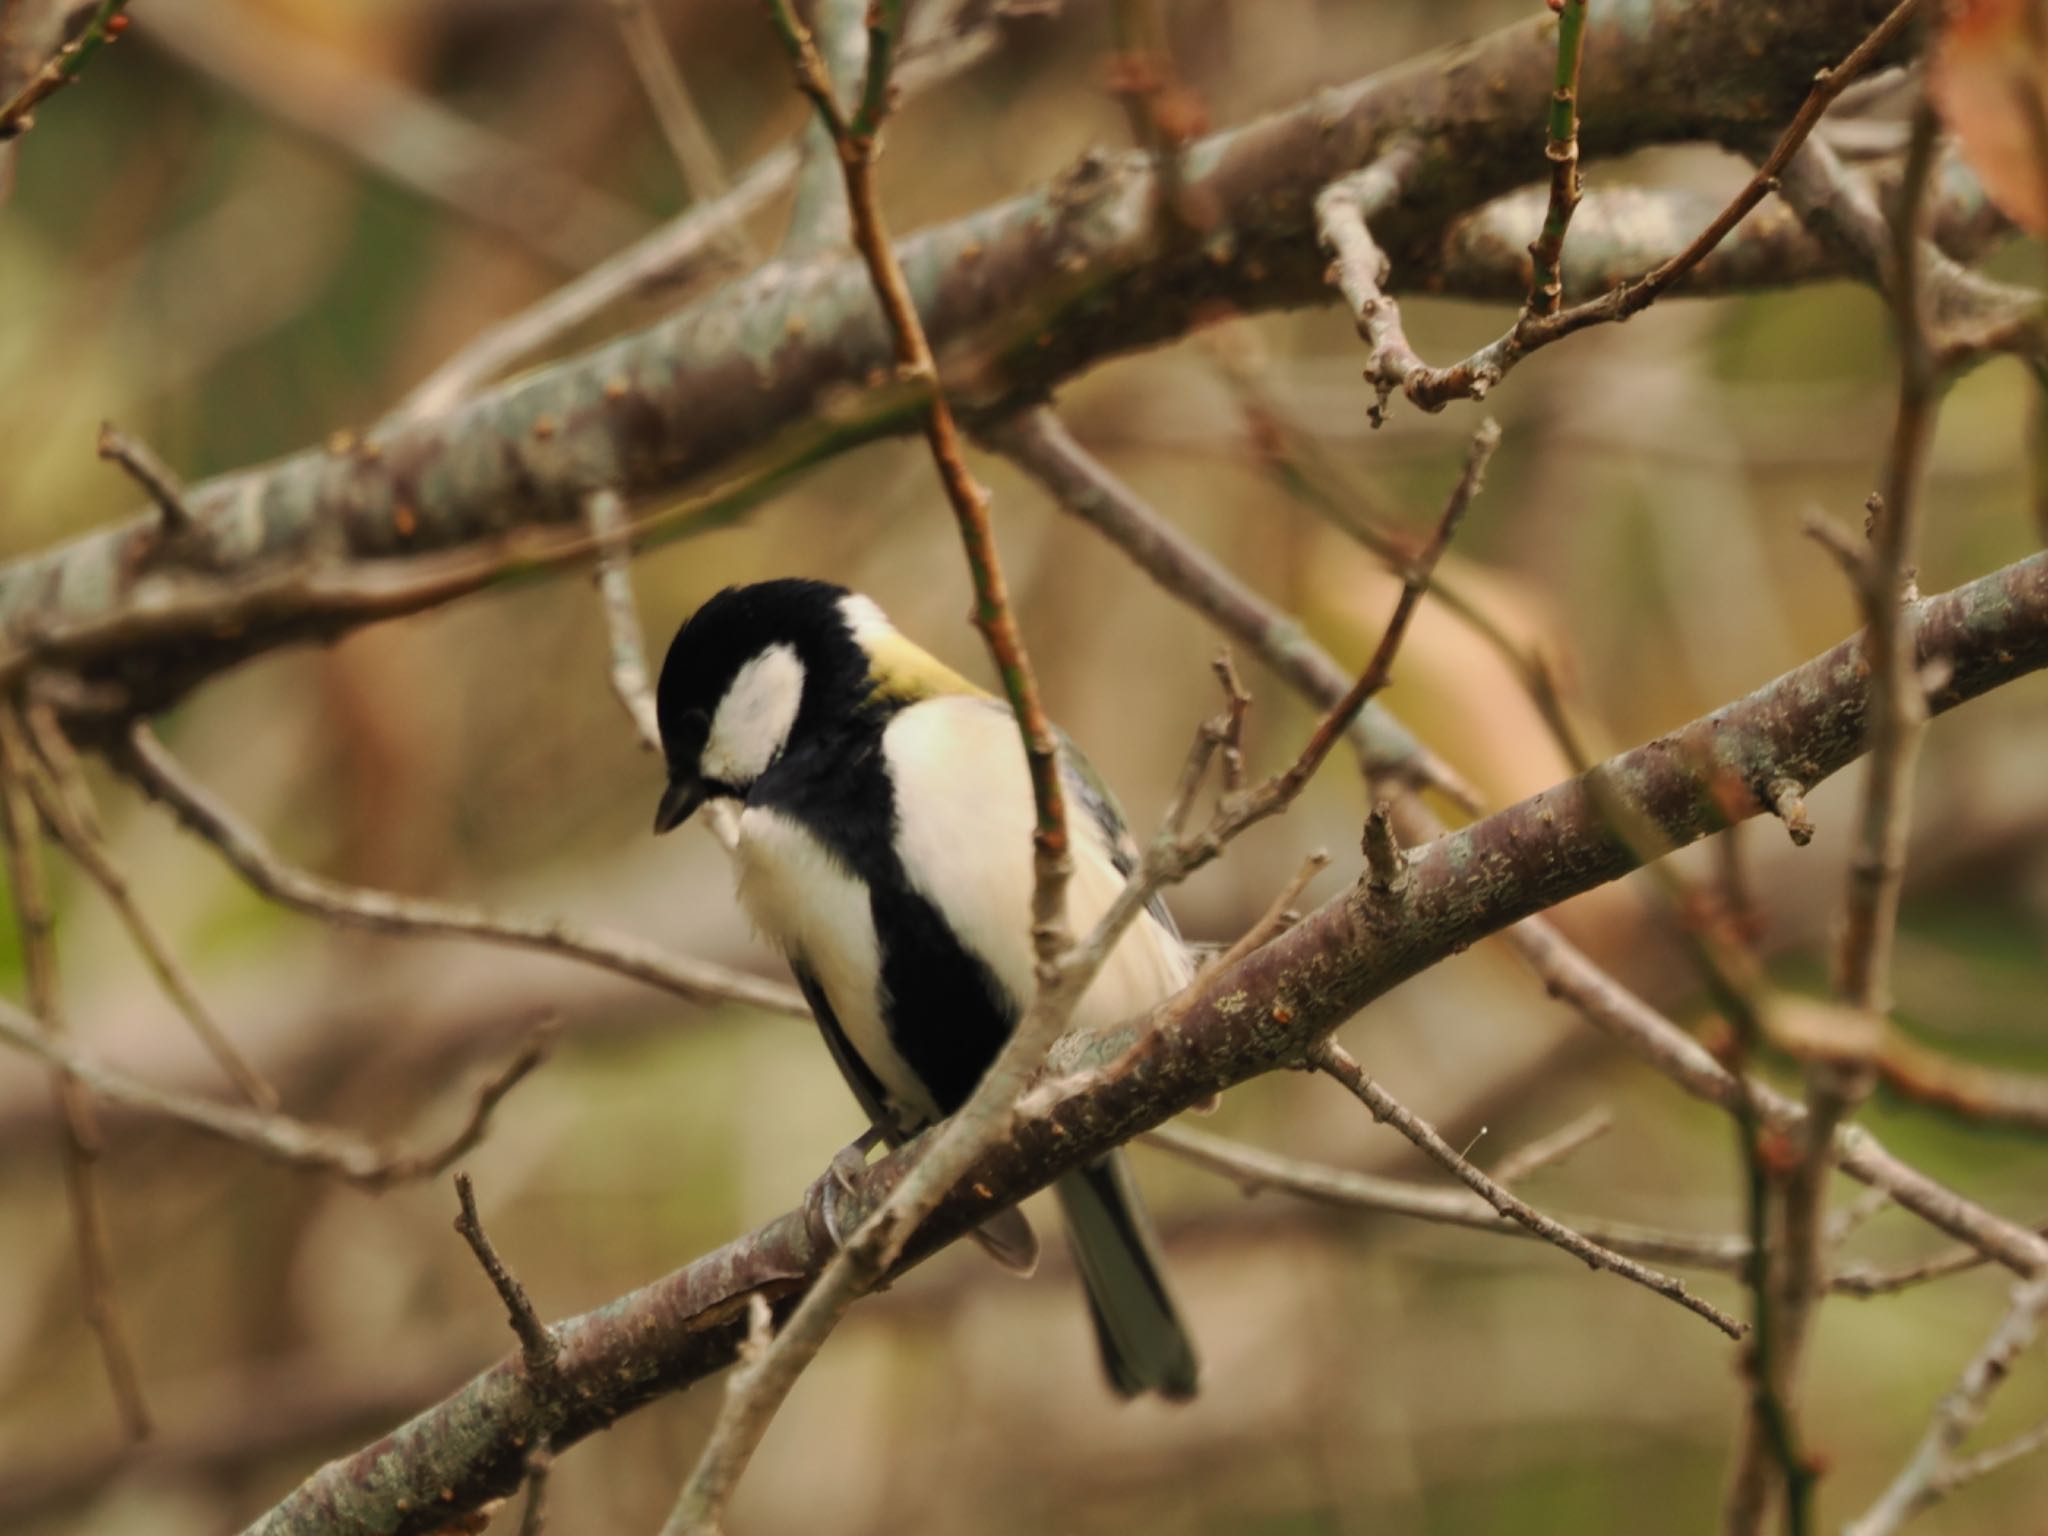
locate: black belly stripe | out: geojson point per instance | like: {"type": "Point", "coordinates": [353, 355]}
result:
{"type": "Point", "coordinates": [946, 1013]}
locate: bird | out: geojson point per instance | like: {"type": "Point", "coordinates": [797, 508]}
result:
{"type": "Point", "coordinates": [878, 811]}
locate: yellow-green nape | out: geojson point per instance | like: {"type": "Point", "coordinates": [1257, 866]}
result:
{"type": "Point", "coordinates": [904, 673]}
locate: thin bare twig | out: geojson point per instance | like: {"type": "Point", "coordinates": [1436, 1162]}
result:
{"type": "Point", "coordinates": [1933, 1469]}
{"type": "Point", "coordinates": [408, 138]}
{"type": "Point", "coordinates": [79, 1136]}
{"type": "Point", "coordinates": [59, 791]}
{"type": "Point", "coordinates": [17, 115]}
{"type": "Point", "coordinates": [1414, 582]}
{"type": "Point", "coordinates": [537, 1347]}
{"type": "Point", "coordinates": [662, 259]}
{"type": "Point", "coordinates": [1360, 267]}
{"type": "Point", "coordinates": [1276, 919]}
{"type": "Point", "coordinates": [1333, 1059]}
{"type": "Point", "coordinates": [1081, 485]}
{"type": "Point", "coordinates": [605, 512]}
{"type": "Point", "coordinates": [1561, 149]}
{"type": "Point", "coordinates": [1837, 1082]}
{"type": "Point", "coordinates": [1064, 976]}
{"type": "Point", "coordinates": [1163, 112]}
{"type": "Point", "coordinates": [759, 1391]}
{"type": "Point", "coordinates": [1549, 1151]}
{"type": "Point", "coordinates": [689, 141]}
{"type": "Point", "coordinates": [1254, 1170]}
{"type": "Point", "coordinates": [151, 473]}
{"type": "Point", "coordinates": [145, 760]}
{"type": "Point", "coordinates": [1084, 486]}
{"type": "Point", "coordinates": [282, 1139]}
{"type": "Point", "coordinates": [857, 138]}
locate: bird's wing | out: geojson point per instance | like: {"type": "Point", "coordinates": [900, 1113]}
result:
{"type": "Point", "coordinates": [1086, 788]}
{"type": "Point", "coordinates": [963, 833]}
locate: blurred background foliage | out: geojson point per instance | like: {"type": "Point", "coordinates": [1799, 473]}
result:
{"type": "Point", "coordinates": [179, 257]}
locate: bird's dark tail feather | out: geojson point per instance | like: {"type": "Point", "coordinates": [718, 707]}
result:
{"type": "Point", "coordinates": [1145, 1346]}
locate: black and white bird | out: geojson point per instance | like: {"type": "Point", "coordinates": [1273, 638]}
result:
{"type": "Point", "coordinates": [878, 811]}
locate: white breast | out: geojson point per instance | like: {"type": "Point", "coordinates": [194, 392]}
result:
{"type": "Point", "coordinates": [964, 820]}
{"type": "Point", "coordinates": [805, 901]}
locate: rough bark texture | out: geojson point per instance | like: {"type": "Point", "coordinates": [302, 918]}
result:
{"type": "Point", "coordinates": [1263, 1013]}
{"type": "Point", "coordinates": [792, 363]}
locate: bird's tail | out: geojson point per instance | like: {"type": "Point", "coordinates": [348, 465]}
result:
{"type": "Point", "coordinates": [1145, 1346]}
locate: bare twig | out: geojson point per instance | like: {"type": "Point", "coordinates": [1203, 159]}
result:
{"type": "Point", "coordinates": [873, 1248]}
{"type": "Point", "coordinates": [605, 512]}
{"type": "Point", "coordinates": [818, 217]}
{"type": "Point", "coordinates": [410, 139]}
{"type": "Point", "coordinates": [17, 114]}
{"type": "Point", "coordinates": [1333, 1059]}
{"type": "Point", "coordinates": [1549, 1151]}
{"type": "Point", "coordinates": [1386, 866]}
{"type": "Point", "coordinates": [151, 473]}
{"type": "Point", "coordinates": [60, 794]}
{"type": "Point", "coordinates": [662, 259]}
{"type": "Point", "coordinates": [1415, 582]}
{"type": "Point", "coordinates": [144, 759]}
{"type": "Point", "coordinates": [280, 1138]}
{"type": "Point", "coordinates": [696, 156]}
{"type": "Point", "coordinates": [1082, 485]}
{"type": "Point", "coordinates": [1164, 113]}
{"type": "Point", "coordinates": [857, 139]}
{"type": "Point", "coordinates": [537, 1347]}
{"type": "Point", "coordinates": [1085, 487]}
{"type": "Point", "coordinates": [1254, 1170]}
{"type": "Point", "coordinates": [1932, 1470]}
{"type": "Point", "coordinates": [1360, 269]}
{"type": "Point", "coordinates": [1276, 919]}
{"type": "Point", "coordinates": [1898, 707]}
{"type": "Point", "coordinates": [1838, 1082]}
{"type": "Point", "coordinates": [79, 1132]}
{"type": "Point", "coordinates": [1561, 149]}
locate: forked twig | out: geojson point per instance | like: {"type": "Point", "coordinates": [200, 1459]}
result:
{"type": "Point", "coordinates": [282, 1139]}
{"type": "Point", "coordinates": [1333, 1059]}
{"type": "Point", "coordinates": [145, 760]}
{"type": "Point", "coordinates": [79, 1137]}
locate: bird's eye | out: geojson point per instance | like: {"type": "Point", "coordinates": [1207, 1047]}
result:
{"type": "Point", "coordinates": [686, 734]}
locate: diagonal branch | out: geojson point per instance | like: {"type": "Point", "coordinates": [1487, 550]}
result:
{"type": "Point", "coordinates": [1332, 1059]}
{"type": "Point", "coordinates": [1934, 1468]}
{"type": "Point", "coordinates": [159, 775]}
{"type": "Point", "coordinates": [1341, 226]}
{"type": "Point", "coordinates": [280, 1138]}
{"type": "Point", "coordinates": [1258, 1015]}
{"type": "Point", "coordinates": [78, 1129]}
{"type": "Point", "coordinates": [1016, 298]}
{"type": "Point", "coordinates": [59, 791]}
{"type": "Point", "coordinates": [1084, 487]}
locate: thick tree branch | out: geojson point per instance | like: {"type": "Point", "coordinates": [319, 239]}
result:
{"type": "Point", "coordinates": [772, 373]}
{"type": "Point", "coordinates": [1461, 886]}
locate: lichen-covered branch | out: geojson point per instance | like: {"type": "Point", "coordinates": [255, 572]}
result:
{"type": "Point", "coordinates": [789, 365]}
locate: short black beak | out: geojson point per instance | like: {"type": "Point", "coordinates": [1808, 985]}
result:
{"type": "Point", "coordinates": [678, 802]}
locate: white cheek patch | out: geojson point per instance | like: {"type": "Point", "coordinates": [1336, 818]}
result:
{"type": "Point", "coordinates": [865, 618]}
{"type": "Point", "coordinates": [753, 719]}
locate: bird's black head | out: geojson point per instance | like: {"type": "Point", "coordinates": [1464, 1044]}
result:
{"type": "Point", "coordinates": [752, 669]}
